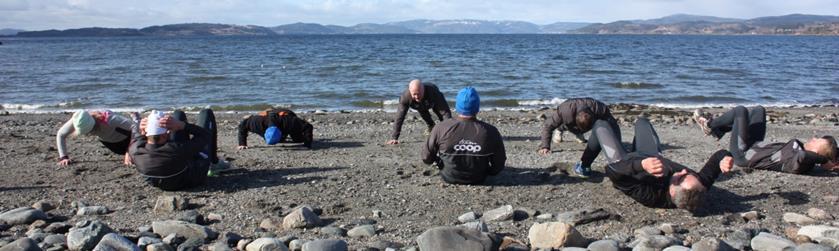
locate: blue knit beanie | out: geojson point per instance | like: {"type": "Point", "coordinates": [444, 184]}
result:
{"type": "Point", "coordinates": [468, 103]}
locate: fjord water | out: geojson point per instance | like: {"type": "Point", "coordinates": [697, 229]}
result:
{"type": "Point", "coordinates": [366, 71]}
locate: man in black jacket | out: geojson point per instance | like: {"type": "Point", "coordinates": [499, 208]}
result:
{"type": "Point", "coordinates": [577, 115]}
{"type": "Point", "coordinates": [420, 97]}
{"type": "Point", "coordinates": [168, 157]}
{"type": "Point", "coordinates": [281, 123]}
{"type": "Point", "coordinates": [648, 177]}
{"type": "Point", "coordinates": [748, 130]}
{"type": "Point", "coordinates": [466, 149]}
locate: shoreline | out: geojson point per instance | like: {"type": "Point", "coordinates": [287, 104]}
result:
{"type": "Point", "coordinates": [351, 178]}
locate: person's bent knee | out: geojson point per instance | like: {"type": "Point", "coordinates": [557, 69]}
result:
{"type": "Point", "coordinates": [740, 110]}
{"type": "Point", "coordinates": [179, 115]}
{"type": "Point", "coordinates": [759, 109]}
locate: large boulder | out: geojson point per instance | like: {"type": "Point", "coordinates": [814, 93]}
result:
{"type": "Point", "coordinates": [115, 242]}
{"type": "Point", "coordinates": [454, 239]}
{"type": "Point", "coordinates": [770, 242]}
{"type": "Point", "coordinates": [22, 244]}
{"type": "Point", "coordinates": [183, 229]}
{"type": "Point", "coordinates": [823, 234]}
{"type": "Point", "coordinates": [22, 215]}
{"type": "Point", "coordinates": [86, 234]}
{"type": "Point", "coordinates": [266, 244]}
{"type": "Point", "coordinates": [301, 218]}
{"type": "Point", "coordinates": [325, 245]}
{"type": "Point", "coordinates": [555, 235]}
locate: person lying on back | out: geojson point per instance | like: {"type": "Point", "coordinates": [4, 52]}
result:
{"type": "Point", "coordinates": [275, 125]}
{"type": "Point", "coordinates": [465, 148]}
{"type": "Point", "coordinates": [747, 145]}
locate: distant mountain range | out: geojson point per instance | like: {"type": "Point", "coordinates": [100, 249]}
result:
{"type": "Point", "coordinates": [795, 24]}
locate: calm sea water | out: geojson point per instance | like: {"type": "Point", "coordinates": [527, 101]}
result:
{"type": "Point", "coordinates": [370, 71]}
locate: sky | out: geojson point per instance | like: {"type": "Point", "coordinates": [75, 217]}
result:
{"type": "Point", "coordinates": [64, 14]}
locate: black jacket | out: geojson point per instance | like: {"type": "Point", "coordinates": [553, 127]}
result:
{"type": "Point", "coordinates": [172, 158]}
{"type": "Point", "coordinates": [566, 115]}
{"type": "Point", "coordinates": [431, 99]}
{"type": "Point", "coordinates": [629, 177]}
{"type": "Point", "coordinates": [285, 120]}
{"type": "Point", "coordinates": [787, 157]}
{"type": "Point", "coordinates": [467, 150]}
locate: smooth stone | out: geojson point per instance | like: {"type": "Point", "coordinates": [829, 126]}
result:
{"type": "Point", "coordinates": [301, 218]}
{"type": "Point", "coordinates": [711, 244]}
{"type": "Point", "coordinates": [170, 203]}
{"type": "Point", "coordinates": [467, 217]}
{"type": "Point", "coordinates": [555, 235]}
{"type": "Point", "coordinates": [739, 239]}
{"type": "Point", "coordinates": [242, 244]}
{"type": "Point", "coordinates": [476, 225]}
{"type": "Point", "coordinates": [214, 217]}
{"type": "Point", "coordinates": [295, 245]}
{"type": "Point", "coordinates": [654, 242]}
{"type": "Point", "coordinates": [55, 239]}
{"type": "Point", "coordinates": [544, 217]}
{"type": "Point", "coordinates": [333, 231]}
{"type": "Point", "coordinates": [193, 244]}
{"type": "Point", "coordinates": [92, 210]}
{"type": "Point", "coordinates": [145, 241]}
{"type": "Point", "coordinates": [499, 214]}
{"type": "Point", "coordinates": [604, 245]}
{"type": "Point", "coordinates": [325, 245]}
{"type": "Point", "coordinates": [677, 248]}
{"type": "Point", "coordinates": [86, 234]}
{"type": "Point", "coordinates": [812, 247]}
{"type": "Point", "coordinates": [159, 247]}
{"type": "Point", "coordinates": [770, 242]}
{"type": "Point", "coordinates": [750, 215]}
{"type": "Point", "coordinates": [579, 217]}
{"type": "Point", "coordinates": [523, 213]}
{"type": "Point", "coordinates": [647, 231]}
{"type": "Point", "coordinates": [823, 234]}
{"type": "Point", "coordinates": [266, 244]}
{"type": "Point", "coordinates": [362, 231]}
{"type": "Point", "coordinates": [218, 246]}
{"type": "Point", "coordinates": [22, 244]}
{"type": "Point", "coordinates": [191, 216]}
{"type": "Point", "coordinates": [22, 215]}
{"type": "Point", "coordinates": [454, 239]}
{"type": "Point", "coordinates": [115, 242]}
{"type": "Point", "coordinates": [799, 219]}
{"type": "Point", "coordinates": [667, 228]}
{"type": "Point", "coordinates": [173, 239]}
{"type": "Point", "coordinates": [819, 214]}
{"type": "Point", "coordinates": [573, 249]}
{"type": "Point", "coordinates": [271, 223]}
{"type": "Point", "coordinates": [183, 229]}
{"type": "Point", "coordinates": [58, 228]}
{"type": "Point", "coordinates": [230, 238]}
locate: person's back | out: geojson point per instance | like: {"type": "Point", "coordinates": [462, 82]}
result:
{"type": "Point", "coordinates": [466, 149]}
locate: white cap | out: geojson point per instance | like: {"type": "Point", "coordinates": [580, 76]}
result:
{"type": "Point", "coordinates": [153, 123]}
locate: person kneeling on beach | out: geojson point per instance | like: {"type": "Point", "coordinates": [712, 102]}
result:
{"type": "Point", "coordinates": [112, 129]}
{"type": "Point", "coordinates": [420, 97]}
{"type": "Point", "coordinates": [648, 177]}
{"type": "Point", "coordinates": [577, 115]}
{"type": "Point", "coordinates": [465, 148]}
{"type": "Point", "coordinates": [275, 125]}
{"type": "Point", "coordinates": [168, 157]}
{"type": "Point", "coordinates": [748, 130]}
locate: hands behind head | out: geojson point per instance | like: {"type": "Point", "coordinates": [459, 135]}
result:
{"type": "Point", "coordinates": [172, 124]}
{"type": "Point", "coordinates": [392, 142]}
{"type": "Point", "coordinates": [726, 164]}
{"type": "Point", "coordinates": [544, 151]}
{"type": "Point", "coordinates": [653, 166]}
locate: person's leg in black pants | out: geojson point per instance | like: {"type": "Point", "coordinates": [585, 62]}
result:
{"type": "Point", "coordinates": [207, 120]}
{"type": "Point", "coordinates": [179, 136]}
{"type": "Point", "coordinates": [606, 134]}
{"type": "Point", "coordinates": [606, 137]}
{"type": "Point", "coordinates": [646, 140]}
{"type": "Point", "coordinates": [426, 116]}
{"type": "Point", "coordinates": [745, 128]}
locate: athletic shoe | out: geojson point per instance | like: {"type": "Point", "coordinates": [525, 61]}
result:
{"type": "Point", "coordinates": [580, 138]}
{"type": "Point", "coordinates": [703, 119]}
{"type": "Point", "coordinates": [216, 168]}
{"type": "Point", "coordinates": [577, 170]}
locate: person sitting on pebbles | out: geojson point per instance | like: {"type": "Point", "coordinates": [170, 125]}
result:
{"type": "Point", "coordinates": [168, 157]}
{"type": "Point", "coordinates": [420, 97]}
{"type": "Point", "coordinates": [465, 148]}
{"type": "Point", "coordinates": [275, 125]}
{"type": "Point", "coordinates": [577, 115]}
{"type": "Point", "coordinates": [112, 129]}
{"type": "Point", "coordinates": [748, 130]}
{"type": "Point", "coordinates": [648, 177]}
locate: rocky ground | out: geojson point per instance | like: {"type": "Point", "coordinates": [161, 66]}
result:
{"type": "Point", "coordinates": [352, 187]}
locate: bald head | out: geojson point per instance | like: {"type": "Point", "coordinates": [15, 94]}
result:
{"type": "Point", "coordinates": [416, 89]}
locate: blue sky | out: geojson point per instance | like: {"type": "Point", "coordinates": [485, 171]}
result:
{"type": "Point", "coordinates": [62, 14]}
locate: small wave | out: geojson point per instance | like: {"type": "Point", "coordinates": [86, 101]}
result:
{"type": "Point", "coordinates": [368, 103]}
{"type": "Point", "coordinates": [732, 72]}
{"type": "Point", "coordinates": [602, 72]}
{"type": "Point", "coordinates": [699, 99]}
{"type": "Point", "coordinates": [636, 85]}
{"type": "Point", "coordinates": [200, 79]}
{"type": "Point", "coordinates": [542, 102]}
{"type": "Point", "coordinates": [390, 102]}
